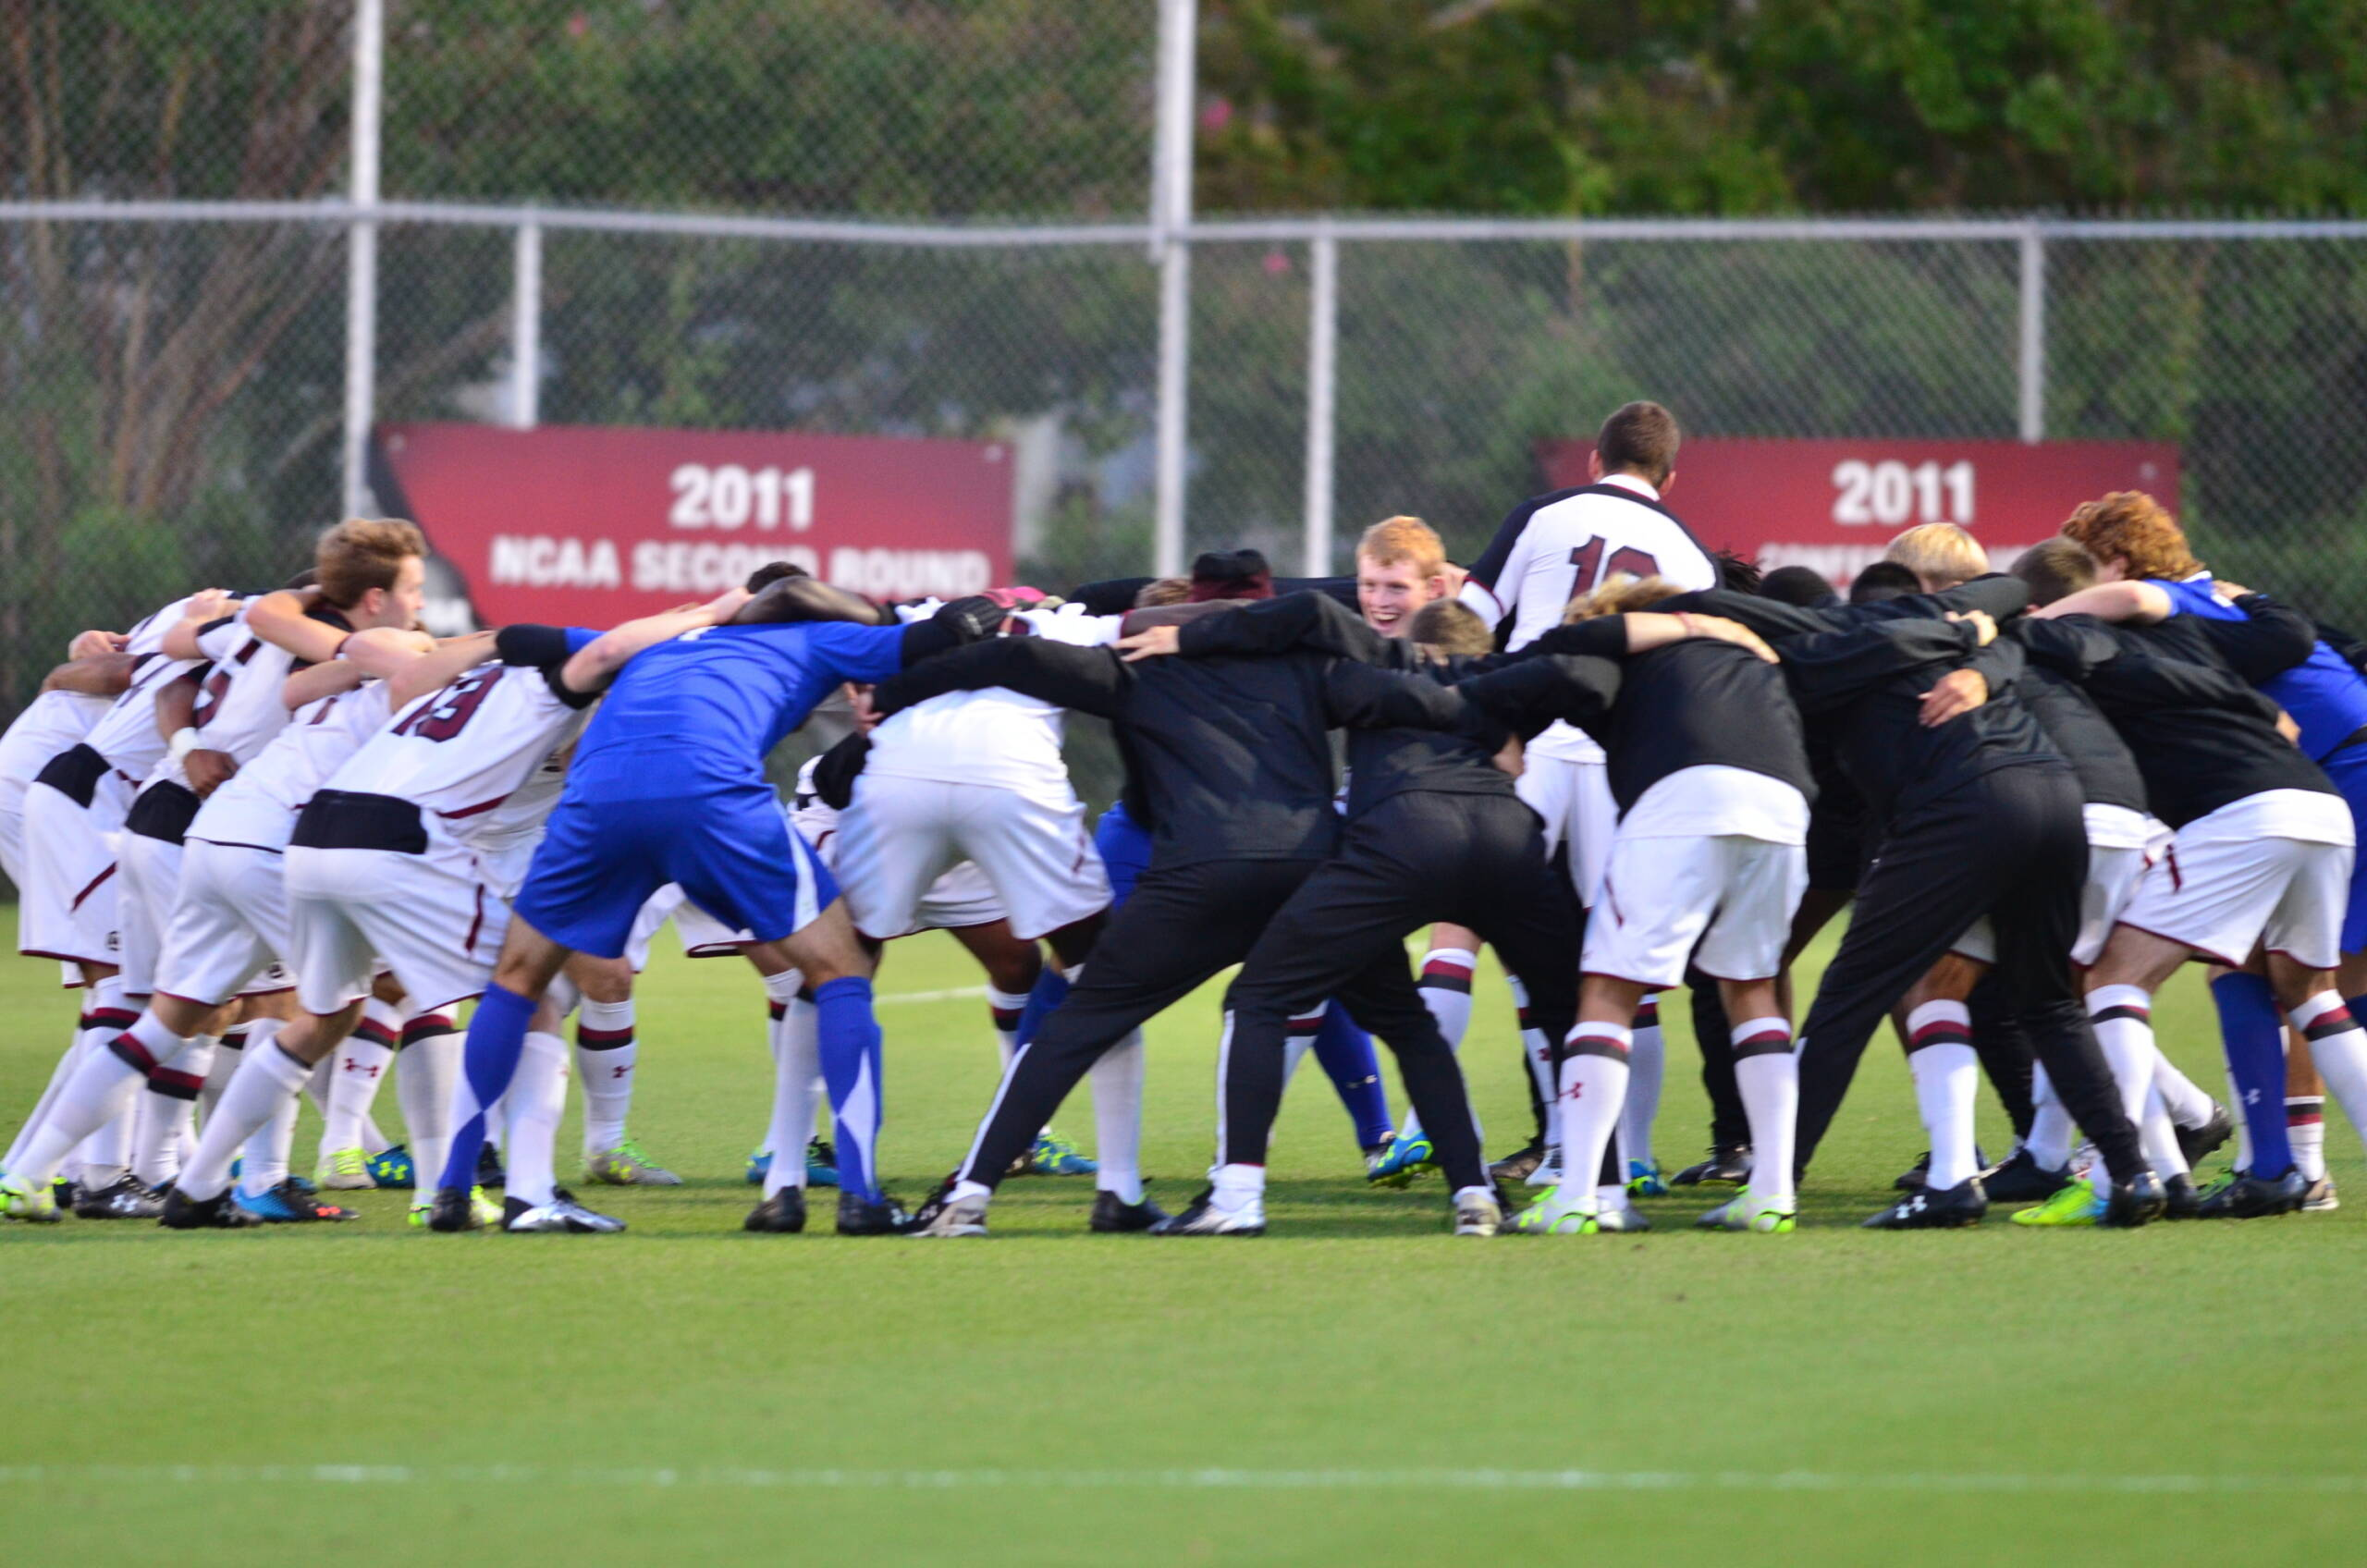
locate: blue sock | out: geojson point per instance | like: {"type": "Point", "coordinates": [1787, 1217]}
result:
{"type": "Point", "coordinates": [1050, 989]}
{"type": "Point", "coordinates": [849, 1037]}
{"type": "Point", "coordinates": [497, 1039]}
{"type": "Point", "coordinates": [1346, 1054]}
{"type": "Point", "coordinates": [2252, 1030]}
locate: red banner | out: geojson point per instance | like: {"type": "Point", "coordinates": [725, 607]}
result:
{"type": "Point", "coordinates": [1835, 505]}
{"type": "Point", "coordinates": [588, 525]}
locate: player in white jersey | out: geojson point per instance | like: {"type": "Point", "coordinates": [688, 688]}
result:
{"type": "Point", "coordinates": [410, 852]}
{"type": "Point", "coordinates": [1550, 550]}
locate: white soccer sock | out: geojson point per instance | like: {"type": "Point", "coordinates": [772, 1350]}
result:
{"type": "Point", "coordinates": [797, 1058]}
{"type": "Point", "coordinates": [263, 1161]}
{"type": "Point", "coordinates": [424, 1081]}
{"type": "Point", "coordinates": [1766, 1076]}
{"type": "Point", "coordinates": [2339, 1047]}
{"type": "Point", "coordinates": [66, 1060]}
{"type": "Point", "coordinates": [1298, 1039]}
{"type": "Point", "coordinates": [269, 1081]}
{"type": "Point", "coordinates": [2243, 1124]}
{"type": "Point", "coordinates": [2049, 1143]}
{"type": "Point", "coordinates": [164, 1115]}
{"type": "Point", "coordinates": [2185, 1102]}
{"type": "Point", "coordinates": [1233, 1188]}
{"type": "Point", "coordinates": [1004, 1008]}
{"type": "Point", "coordinates": [537, 1098]}
{"type": "Point", "coordinates": [1117, 1081]}
{"type": "Point", "coordinates": [356, 1070]}
{"type": "Point", "coordinates": [1645, 1066]}
{"type": "Point", "coordinates": [1947, 1077]}
{"type": "Point", "coordinates": [605, 1057]}
{"type": "Point", "coordinates": [100, 1091]}
{"type": "Point", "coordinates": [2305, 1128]}
{"type": "Point", "coordinates": [2124, 1021]}
{"type": "Point", "coordinates": [1592, 1092]}
{"type": "Point", "coordinates": [1445, 983]}
{"type": "Point", "coordinates": [2159, 1140]}
{"type": "Point", "coordinates": [219, 1072]}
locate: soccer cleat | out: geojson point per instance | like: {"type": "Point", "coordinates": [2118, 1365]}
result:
{"type": "Point", "coordinates": [489, 1171]}
{"type": "Point", "coordinates": [2137, 1201]}
{"type": "Point", "coordinates": [1948, 1209]}
{"type": "Point", "coordinates": [1408, 1155]}
{"type": "Point", "coordinates": [2196, 1142]}
{"type": "Point", "coordinates": [1373, 1153]}
{"type": "Point", "coordinates": [1201, 1216]}
{"type": "Point", "coordinates": [1644, 1178]}
{"type": "Point", "coordinates": [68, 1194]}
{"type": "Point", "coordinates": [1728, 1166]}
{"type": "Point", "coordinates": [1549, 1169]}
{"type": "Point", "coordinates": [2318, 1199]}
{"type": "Point", "coordinates": [1550, 1215]}
{"type": "Point", "coordinates": [2245, 1196]}
{"type": "Point", "coordinates": [452, 1210]}
{"type": "Point", "coordinates": [344, 1170]}
{"type": "Point", "coordinates": [183, 1212]}
{"type": "Point", "coordinates": [1911, 1179]}
{"type": "Point", "coordinates": [627, 1165]}
{"type": "Point", "coordinates": [289, 1203]}
{"type": "Point", "coordinates": [1055, 1155]}
{"type": "Point", "coordinates": [759, 1165]}
{"type": "Point", "coordinates": [392, 1170]}
{"type": "Point", "coordinates": [1518, 1165]}
{"type": "Point", "coordinates": [821, 1163]}
{"type": "Point", "coordinates": [126, 1197]}
{"type": "Point", "coordinates": [561, 1216]}
{"type": "Point", "coordinates": [22, 1200]}
{"type": "Point", "coordinates": [2023, 1180]}
{"type": "Point", "coordinates": [783, 1213]}
{"type": "Point", "coordinates": [1769, 1216]}
{"type": "Point", "coordinates": [943, 1215]}
{"type": "Point", "coordinates": [885, 1217]}
{"type": "Point", "coordinates": [1479, 1215]}
{"type": "Point", "coordinates": [1114, 1215]}
{"type": "Point", "coordinates": [2075, 1202]}
{"type": "Point", "coordinates": [2179, 1198]}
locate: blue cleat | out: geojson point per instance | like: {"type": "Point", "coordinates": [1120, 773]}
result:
{"type": "Point", "coordinates": [392, 1169]}
{"type": "Point", "coordinates": [291, 1203]}
{"type": "Point", "coordinates": [759, 1165]}
{"type": "Point", "coordinates": [1644, 1178]}
{"type": "Point", "coordinates": [1055, 1155]}
{"type": "Point", "coordinates": [821, 1163]}
{"type": "Point", "coordinates": [1407, 1156]}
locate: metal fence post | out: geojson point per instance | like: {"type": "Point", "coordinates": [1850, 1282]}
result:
{"type": "Point", "coordinates": [362, 254]}
{"type": "Point", "coordinates": [2032, 369]}
{"type": "Point", "coordinates": [1172, 217]}
{"type": "Point", "coordinates": [1322, 356]}
{"type": "Point", "coordinates": [526, 330]}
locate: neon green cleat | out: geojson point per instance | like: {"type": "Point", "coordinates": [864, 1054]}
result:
{"type": "Point", "coordinates": [1552, 1215]}
{"type": "Point", "coordinates": [487, 1212]}
{"type": "Point", "coordinates": [22, 1200]}
{"type": "Point", "coordinates": [1767, 1217]}
{"type": "Point", "coordinates": [345, 1171]}
{"type": "Point", "coordinates": [2074, 1205]}
{"type": "Point", "coordinates": [627, 1165]}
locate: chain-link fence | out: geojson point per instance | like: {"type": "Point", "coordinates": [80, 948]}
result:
{"type": "Point", "coordinates": [739, 214]}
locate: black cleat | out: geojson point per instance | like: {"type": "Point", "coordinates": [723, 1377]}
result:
{"type": "Point", "coordinates": [2245, 1196]}
{"type": "Point", "coordinates": [856, 1217]}
{"type": "Point", "coordinates": [126, 1197]}
{"type": "Point", "coordinates": [1949, 1209]}
{"type": "Point", "coordinates": [783, 1213]}
{"type": "Point", "coordinates": [1519, 1165]}
{"type": "Point", "coordinates": [67, 1195]}
{"type": "Point", "coordinates": [489, 1171]}
{"type": "Point", "coordinates": [454, 1209]}
{"type": "Point", "coordinates": [1911, 1179]}
{"type": "Point", "coordinates": [1201, 1218]}
{"type": "Point", "coordinates": [2196, 1142]}
{"type": "Point", "coordinates": [2137, 1201]}
{"type": "Point", "coordinates": [181, 1212]}
{"type": "Point", "coordinates": [2023, 1180]}
{"type": "Point", "coordinates": [1112, 1215]}
{"type": "Point", "coordinates": [1728, 1166]}
{"type": "Point", "coordinates": [2180, 1200]}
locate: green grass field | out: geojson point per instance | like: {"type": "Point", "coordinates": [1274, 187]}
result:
{"type": "Point", "coordinates": [1357, 1387]}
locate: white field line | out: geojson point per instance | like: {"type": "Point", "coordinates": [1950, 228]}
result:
{"type": "Point", "coordinates": [959, 993]}
{"type": "Point", "coordinates": [1213, 1479]}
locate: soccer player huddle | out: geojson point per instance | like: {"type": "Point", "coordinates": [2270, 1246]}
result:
{"type": "Point", "coordinates": [278, 841]}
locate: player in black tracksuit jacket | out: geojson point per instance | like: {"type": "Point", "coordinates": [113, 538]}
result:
{"type": "Point", "coordinates": [1975, 815]}
{"type": "Point", "coordinates": [1230, 759]}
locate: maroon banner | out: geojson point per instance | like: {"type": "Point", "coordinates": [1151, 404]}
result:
{"type": "Point", "coordinates": [1835, 505]}
{"type": "Point", "coordinates": [588, 525]}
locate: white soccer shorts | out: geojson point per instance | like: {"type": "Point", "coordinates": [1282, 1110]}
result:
{"type": "Point", "coordinates": [702, 934]}
{"type": "Point", "coordinates": [1573, 799]}
{"type": "Point", "coordinates": [1724, 904]}
{"type": "Point", "coordinates": [12, 865]}
{"type": "Point", "coordinates": [436, 926]}
{"type": "Point", "coordinates": [2113, 877]}
{"type": "Point", "coordinates": [150, 872]}
{"type": "Point", "coordinates": [229, 925]}
{"type": "Point", "coordinates": [68, 896]}
{"type": "Point", "coordinates": [2224, 894]}
{"type": "Point", "coordinates": [899, 836]}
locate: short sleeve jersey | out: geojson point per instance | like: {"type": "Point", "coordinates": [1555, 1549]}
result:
{"type": "Point", "coordinates": [701, 712]}
{"type": "Point", "coordinates": [126, 736]}
{"type": "Point", "coordinates": [995, 736]}
{"type": "Point", "coordinates": [258, 806]}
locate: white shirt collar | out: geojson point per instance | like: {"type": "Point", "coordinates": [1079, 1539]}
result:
{"type": "Point", "coordinates": [1629, 482]}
